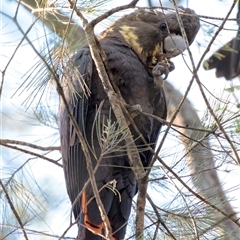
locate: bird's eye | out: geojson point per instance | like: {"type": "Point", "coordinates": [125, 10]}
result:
{"type": "Point", "coordinates": [163, 26]}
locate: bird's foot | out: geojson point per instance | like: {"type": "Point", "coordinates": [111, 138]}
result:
{"type": "Point", "coordinates": [163, 68]}
{"type": "Point", "coordinates": [157, 72]}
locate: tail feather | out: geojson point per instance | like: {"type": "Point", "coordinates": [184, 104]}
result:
{"type": "Point", "coordinates": [87, 230]}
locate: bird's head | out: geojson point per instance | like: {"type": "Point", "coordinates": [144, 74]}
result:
{"type": "Point", "coordinates": [154, 35]}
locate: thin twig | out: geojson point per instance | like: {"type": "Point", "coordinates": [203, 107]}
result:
{"type": "Point", "coordinates": [15, 51]}
{"type": "Point", "coordinates": [159, 217]}
{"type": "Point", "coordinates": [188, 14]}
{"type": "Point", "coordinates": [133, 155]}
{"type": "Point", "coordinates": [112, 11]}
{"type": "Point", "coordinates": [186, 204]}
{"type": "Point", "coordinates": [205, 97]}
{"type": "Point", "coordinates": [10, 141]}
{"type": "Point", "coordinates": [174, 115]}
{"type": "Point", "coordinates": [207, 202]}
{"type": "Point", "coordinates": [32, 153]}
{"type": "Point", "coordinates": [13, 209]}
{"type": "Point", "coordinates": [35, 232]}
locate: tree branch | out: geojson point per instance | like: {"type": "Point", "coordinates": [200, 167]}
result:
{"type": "Point", "coordinates": [200, 158]}
{"type": "Point", "coordinates": [10, 141]}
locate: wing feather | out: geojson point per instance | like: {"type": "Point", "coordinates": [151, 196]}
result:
{"type": "Point", "coordinates": [132, 77]}
{"type": "Point", "coordinates": [76, 92]}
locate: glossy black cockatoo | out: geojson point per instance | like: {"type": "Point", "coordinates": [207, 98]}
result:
{"type": "Point", "coordinates": [226, 60]}
{"type": "Point", "coordinates": [135, 45]}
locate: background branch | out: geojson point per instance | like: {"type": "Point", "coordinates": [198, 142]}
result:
{"type": "Point", "coordinates": [200, 158]}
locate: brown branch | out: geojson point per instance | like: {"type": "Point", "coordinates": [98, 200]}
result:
{"type": "Point", "coordinates": [84, 148]}
{"type": "Point", "coordinates": [10, 141]}
{"type": "Point", "coordinates": [195, 69]}
{"type": "Point", "coordinates": [112, 97]}
{"type": "Point", "coordinates": [31, 153]}
{"type": "Point", "coordinates": [202, 91]}
{"type": "Point", "coordinates": [159, 217]}
{"type": "Point", "coordinates": [206, 201]}
{"type": "Point", "coordinates": [132, 151]}
{"type": "Point", "coordinates": [218, 123]}
{"type": "Point", "coordinates": [185, 95]}
{"type": "Point", "coordinates": [172, 125]}
{"type": "Point", "coordinates": [188, 14]}
{"type": "Point", "coordinates": [132, 4]}
{"type": "Point", "coordinates": [35, 232]}
{"type": "Point", "coordinates": [200, 158]}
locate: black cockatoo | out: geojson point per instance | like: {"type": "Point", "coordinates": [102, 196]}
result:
{"type": "Point", "coordinates": [226, 59]}
{"type": "Point", "coordinates": [135, 46]}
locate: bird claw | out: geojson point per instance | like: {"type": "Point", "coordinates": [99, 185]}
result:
{"type": "Point", "coordinates": [163, 68]}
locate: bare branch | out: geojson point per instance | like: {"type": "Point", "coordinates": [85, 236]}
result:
{"type": "Point", "coordinates": [135, 161]}
{"type": "Point", "coordinates": [10, 141]}
{"type": "Point", "coordinates": [31, 153]}
{"type": "Point", "coordinates": [200, 158]}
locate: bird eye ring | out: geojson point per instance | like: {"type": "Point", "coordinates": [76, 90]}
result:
{"type": "Point", "coordinates": [163, 26]}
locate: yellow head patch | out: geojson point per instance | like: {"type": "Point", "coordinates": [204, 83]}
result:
{"type": "Point", "coordinates": [131, 37]}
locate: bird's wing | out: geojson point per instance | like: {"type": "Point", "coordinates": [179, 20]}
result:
{"type": "Point", "coordinates": [83, 108]}
{"type": "Point", "coordinates": [226, 60]}
{"type": "Point", "coordinates": [76, 89]}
